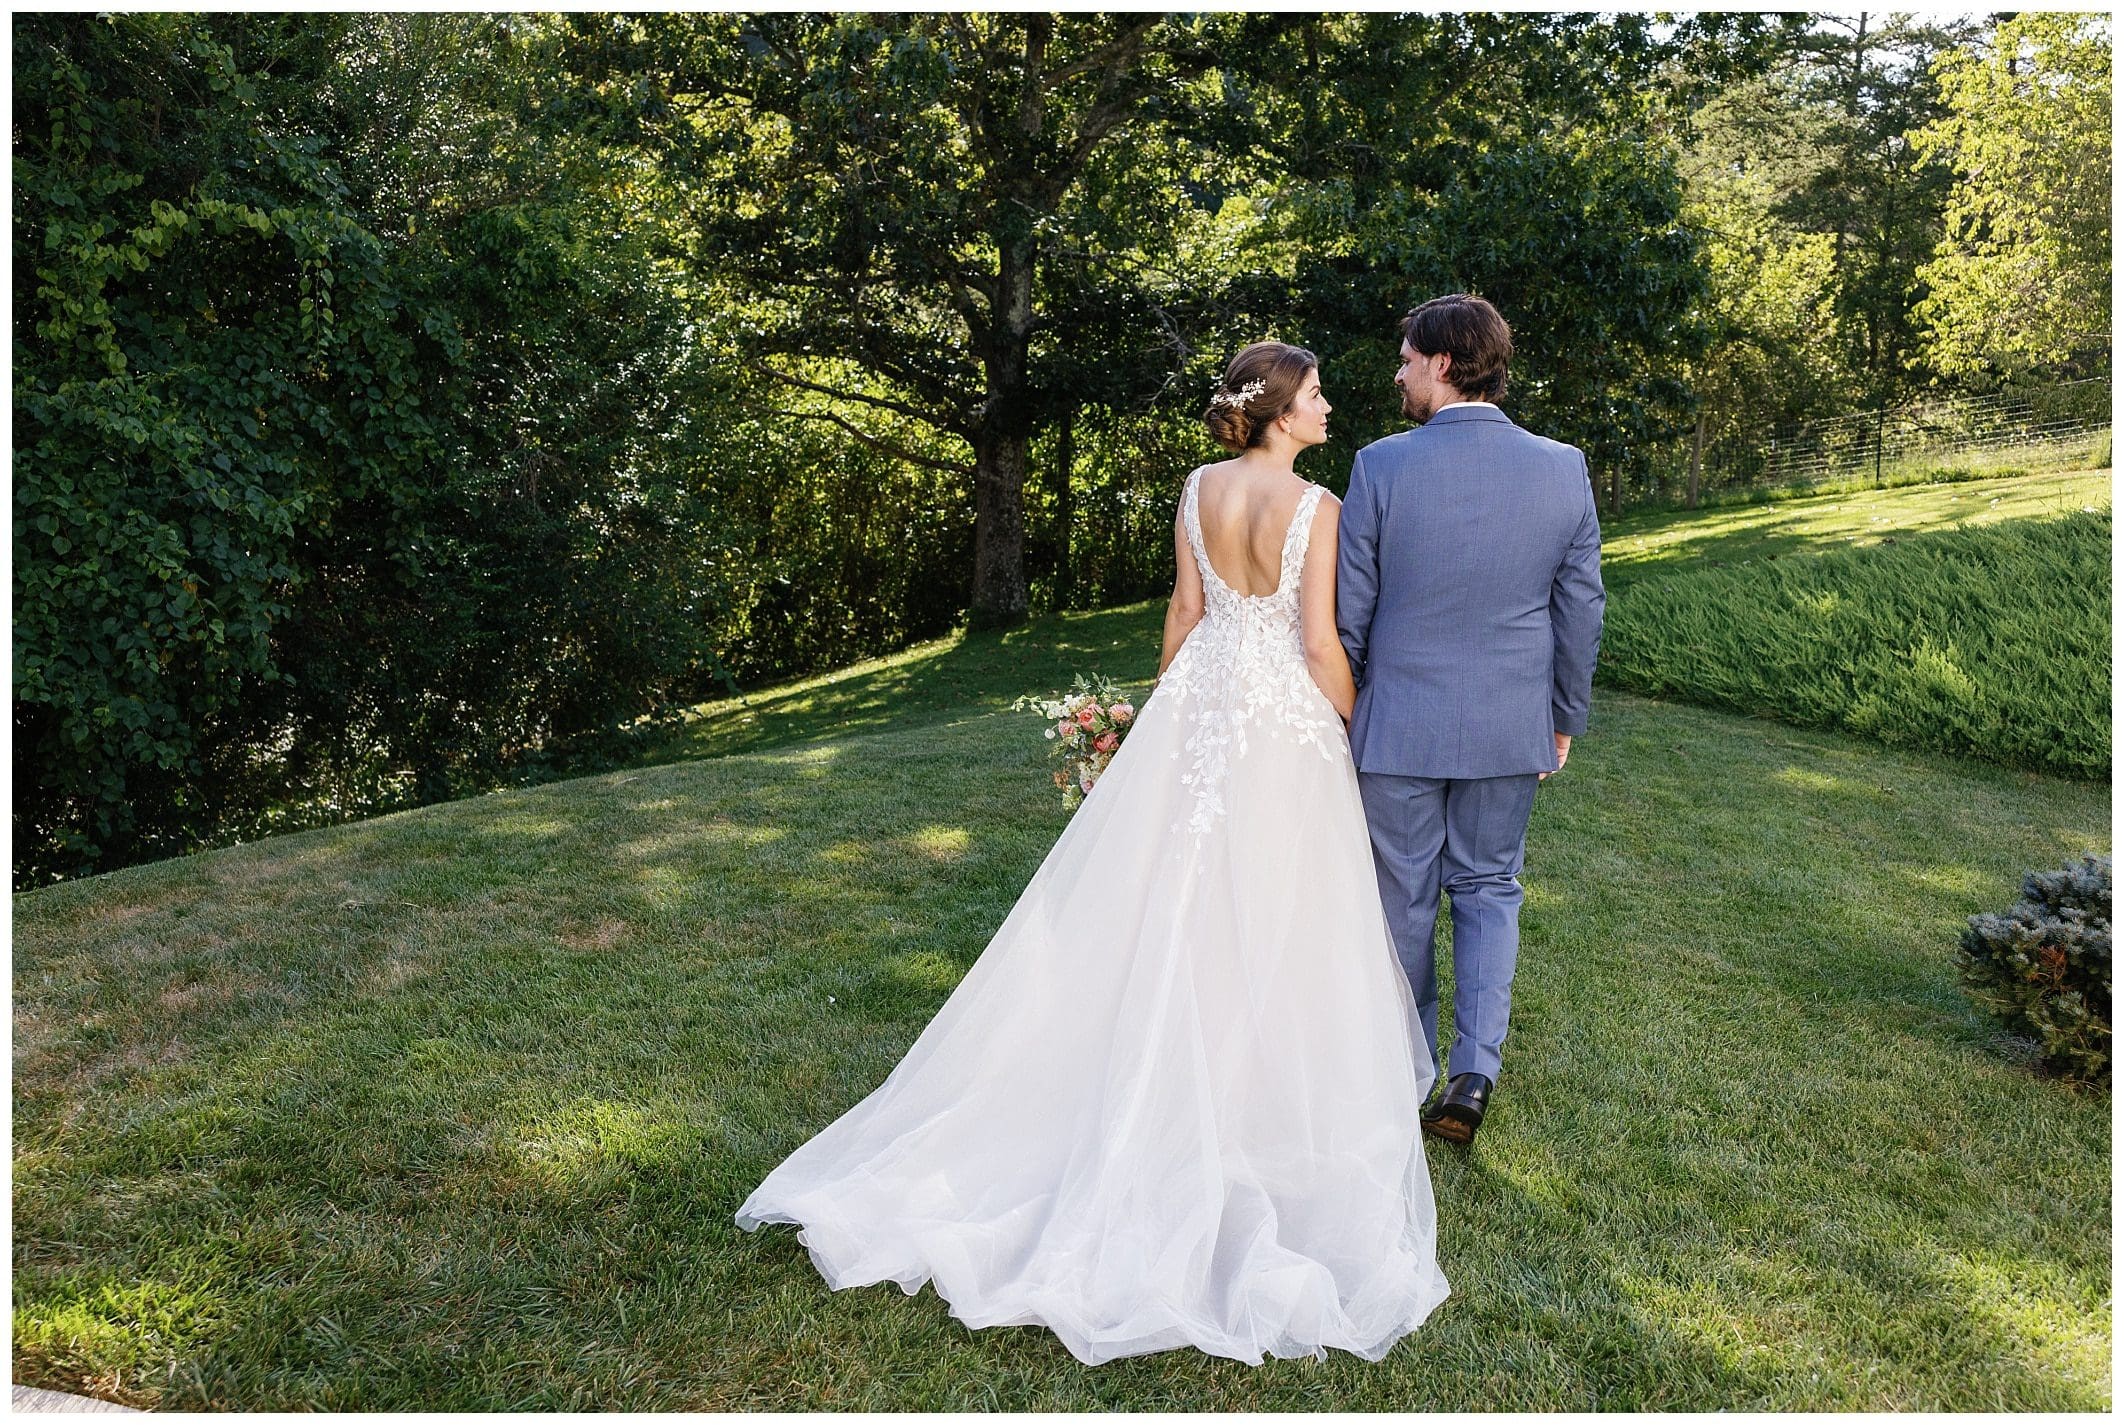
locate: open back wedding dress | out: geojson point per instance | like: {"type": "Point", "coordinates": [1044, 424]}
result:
{"type": "Point", "coordinates": [1174, 1103]}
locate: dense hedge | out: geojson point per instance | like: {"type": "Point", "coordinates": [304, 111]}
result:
{"type": "Point", "coordinates": [1989, 642]}
{"type": "Point", "coordinates": [349, 451]}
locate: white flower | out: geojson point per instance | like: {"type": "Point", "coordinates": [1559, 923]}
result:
{"type": "Point", "coordinates": [1241, 396]}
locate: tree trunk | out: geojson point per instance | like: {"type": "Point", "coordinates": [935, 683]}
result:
{"type": "Point", "coordinates": [1065, 506]}
{"type": "Point", "coordinates": [1696, 460]}
{"type": "Point", "coordinates": [999, 595]}
{"type": "Point", "coordinates": [1615, 482]}
{"type": "Point", "coordinates": [999, 598]}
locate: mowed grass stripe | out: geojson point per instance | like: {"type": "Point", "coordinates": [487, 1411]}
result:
{"type": "Point", "coordinates": [1652, 544]}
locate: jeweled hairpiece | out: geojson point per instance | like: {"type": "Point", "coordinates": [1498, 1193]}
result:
{"type": "Point", "coordinates": [1241, 396]}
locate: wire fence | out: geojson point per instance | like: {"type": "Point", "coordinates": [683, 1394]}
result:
{"type": "Point", "coordinates": [1881, 443]}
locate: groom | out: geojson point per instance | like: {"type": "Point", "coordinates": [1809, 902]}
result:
{"type": "Point", "coordinates": [1468, 595]}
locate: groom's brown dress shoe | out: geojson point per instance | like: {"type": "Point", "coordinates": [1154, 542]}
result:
{"type": "Point", "coordinates": [1457, 1112]}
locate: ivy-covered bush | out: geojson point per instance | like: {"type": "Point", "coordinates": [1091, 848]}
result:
{"type": "Point", "coordinates": [2043, 968]}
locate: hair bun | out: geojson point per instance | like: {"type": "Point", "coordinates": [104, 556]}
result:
{"type": "Point", "coordinates": [1258, 387]}
{"type": "Point", "coordinates": [1229, 425]}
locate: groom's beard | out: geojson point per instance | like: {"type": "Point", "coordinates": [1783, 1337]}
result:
{"type": "Point", "coordinates": [1415, 409]}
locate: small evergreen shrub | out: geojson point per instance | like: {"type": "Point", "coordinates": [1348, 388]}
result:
{"type": "Point", "coordinates": [2043, 968]}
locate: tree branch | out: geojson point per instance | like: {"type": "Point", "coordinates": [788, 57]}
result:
{"type": "Point", "coordinates": [929, 418]}
{"type": "Point", "coordinates": [1096, 125]}
{"type": "Point", "coordinates": [878, 445]}
{"type": "Point", "coordinates": [962, 298]}
{"type": "Point", "coordinates": [1114, 54]}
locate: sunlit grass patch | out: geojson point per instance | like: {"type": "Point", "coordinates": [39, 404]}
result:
{"type": "Point", "coordinates": [1657, 543]}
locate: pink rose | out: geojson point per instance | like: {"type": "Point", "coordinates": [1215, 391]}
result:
{"type": "Point", "coordinates": [1106, 742]}
{"type": "Point", "coordinates": [1065, 727]}
{"type": "Point", "coordinates": [1085, 716]}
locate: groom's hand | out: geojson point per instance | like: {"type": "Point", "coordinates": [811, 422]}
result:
{"type": "Point", "coordinates": [1563, 754]}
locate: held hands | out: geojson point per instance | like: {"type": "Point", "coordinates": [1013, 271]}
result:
{"type": "Point", "coordinates": [1563, 754]}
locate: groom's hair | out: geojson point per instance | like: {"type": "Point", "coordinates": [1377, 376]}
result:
{"type": "Point", "coordinates": [1472, 332]}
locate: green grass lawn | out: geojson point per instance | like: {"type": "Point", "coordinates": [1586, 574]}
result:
{"type": "Point", "coordinates": [451, 1109]}
{"type": "Point", "coordinates": [1657, 543]}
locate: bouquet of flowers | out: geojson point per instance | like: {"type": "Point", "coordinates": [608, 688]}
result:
{"type": "Point", "coordinates": [1087, 725]}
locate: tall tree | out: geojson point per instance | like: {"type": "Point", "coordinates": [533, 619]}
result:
{"type": "Point", "coordinates": [2021, 277]}
{"type": "Point", "coordinates": [1770, 307]}
{"type": "Point", "coordinates": [954, 230]}
{"type": "Point", "coordinates": [1824, 137]}
{"type": "Point", "coordinates": [1529, 158]}
{"type": "Point", "coordinates": [923, 216]}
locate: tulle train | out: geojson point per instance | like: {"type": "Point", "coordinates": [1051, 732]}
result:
{"type": "Point", "coordinates": [1174, 1103]}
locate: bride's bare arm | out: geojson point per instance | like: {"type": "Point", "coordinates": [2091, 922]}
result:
{"type": "Point", "coordinates": [1324, 655]}
{"type": "Point", "coordinates": [1185, 609]}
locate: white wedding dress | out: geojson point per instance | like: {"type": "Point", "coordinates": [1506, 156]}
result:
{"type": "Point", "coordinates": [1174, 1103]}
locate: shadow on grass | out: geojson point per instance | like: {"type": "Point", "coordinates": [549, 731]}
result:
{"type": "Point", "coordinates": [937, 683]}
{"type": "Point", "coordinates": [1669, 542]}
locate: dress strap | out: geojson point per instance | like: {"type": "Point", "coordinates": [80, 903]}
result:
{"type": "Point", "coordinates": [1191, 516]}
{"type": "Point", "coordinates": [1300, 534]}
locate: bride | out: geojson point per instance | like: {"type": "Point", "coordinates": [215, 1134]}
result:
{"type": "Point", "coordinates": [1175, 1102]}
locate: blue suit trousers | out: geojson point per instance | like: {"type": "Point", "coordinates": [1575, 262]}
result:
{"type": "Point", "coordinates": [1467, 837]}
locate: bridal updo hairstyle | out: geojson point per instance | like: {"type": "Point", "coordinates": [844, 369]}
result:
{"type": "Point", "coordinates": [1473, 333]}
{"type": "Point", "coordinates": [1280, 368]}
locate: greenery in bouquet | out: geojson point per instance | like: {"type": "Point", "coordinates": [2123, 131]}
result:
{"type": "Point", "coordinates": [1087, 725]}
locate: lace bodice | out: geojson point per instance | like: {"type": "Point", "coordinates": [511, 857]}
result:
{"type": "Point", "coordinates": [1242, 669]}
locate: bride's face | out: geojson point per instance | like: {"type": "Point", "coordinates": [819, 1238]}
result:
{"type": "Point", "coordinates": [1306, 420]}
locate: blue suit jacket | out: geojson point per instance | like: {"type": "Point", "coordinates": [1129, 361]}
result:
{"type": "Point", "coordinates": [1468, 597]}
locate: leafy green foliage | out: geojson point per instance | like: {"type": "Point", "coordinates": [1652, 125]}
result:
{"type": "Point", "coordinates": [1769, 297]}
{"type": "Point", "coordinates": [185, 343]}
{"type": "Point", "coordinates": [2021, 278]}
{"type": "Point", "coordinates": [2043, 967]}
{"type": "Point", "coordinates": [1815, 214]}
{"type": "Point", "coordinates": [843, 551]}
{"type": "Point", "coordinates": [898, 206]}
{"type": "Point", "coordinates": [409, 404]}
{"type": "Point", "coordinates": [1529, 158]}
{"type": "Point", "coordinates": [951, 235]}
{"type": "Point", "coordinates": [1840, 127]}
{"type": "Point", "coordinates": [1989, 642]}
{"type": "Point", "coordinates": [348, 468]}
